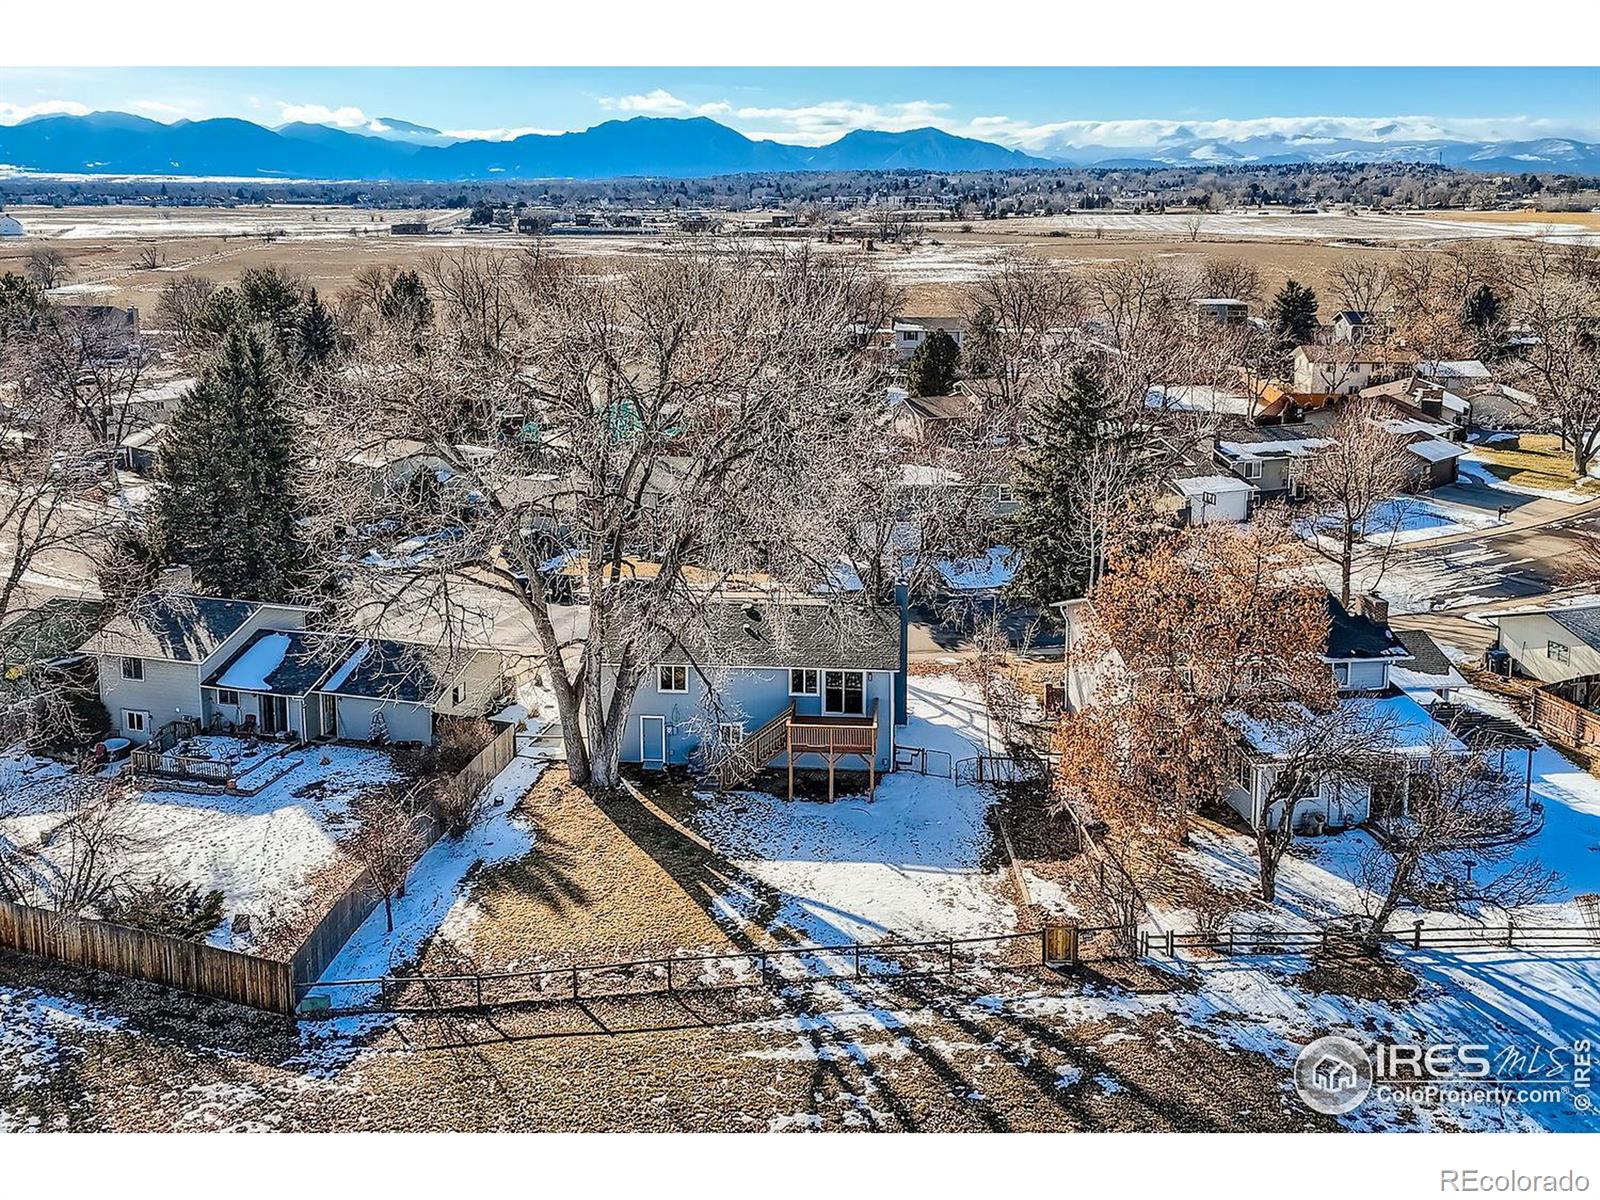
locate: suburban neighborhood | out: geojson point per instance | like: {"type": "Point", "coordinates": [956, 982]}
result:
{"type": "Point", "coordinates": [937, 635]}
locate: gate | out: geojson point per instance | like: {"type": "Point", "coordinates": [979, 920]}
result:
{"type": "Point", "coordinates": [923, 762]}
{"type": "Point", "coordinates": [999, 768]}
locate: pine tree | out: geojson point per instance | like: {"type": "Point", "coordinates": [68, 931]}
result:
{"type": "Point", "coordinates": [933, 366]}
{"type": "Point", "coordinates": [229, 509]}
{"type": "Point", "coordinates": [316, 337]}
{"type": "Point", "coordinates": [1067, 427]}
{"type": "Point", "coordinates": [1293, 315]}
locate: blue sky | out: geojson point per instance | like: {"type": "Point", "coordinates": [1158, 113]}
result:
{"type": "Point", "coordinates": [1033, 108]}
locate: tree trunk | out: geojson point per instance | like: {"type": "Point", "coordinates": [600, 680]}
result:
{"type": "Point", "coordinates": [388, 914]}
{"type": "Point", "coordinates": [1345, 558]}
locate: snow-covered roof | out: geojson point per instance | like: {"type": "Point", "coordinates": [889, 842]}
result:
{"type": "Point", "coordinates": [282, 662]}
{"type": "Point", "coordinates": [919, 475]}
{"type": "Point", "coordinates": [1436, 450]}
{"type": "Point", "coordinates": [1408, 727]}
{"type": "Point", "coordinates": [1460, 368]}
{"type": "Point", "coordinates": [1198, 398]}
{"type": "Point", "coordinates": [987, 572]}
{"type": "Point", "coordinates": [1201, 484]}
{"type": "Point", "coordinates": [1286, 448]}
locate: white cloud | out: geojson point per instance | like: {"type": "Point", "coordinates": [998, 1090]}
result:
{"type": "Point", "coordinates": [10, 114]}
{"type": "Point", "coordinates": [496, 135]}
{"type": "Point", "coordinates": [803, 125]}
{"type": "Point", "coordinates": [345, 117]}
{"type": "Point", "coordinates": [1060, 136]}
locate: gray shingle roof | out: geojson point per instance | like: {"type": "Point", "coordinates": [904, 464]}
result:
{"type": "Point", "coordinates": [1585, 622]}
{"type": "Point", "coordinates": [306, 658]}
{"type": "Point", "coordinates": [380, 669]}
{"type": "Point", "coordinates": [1352, 635]}
{"type": "Point", "coordinates": [1426, 657]}
{"type": "Point", "coordinates": [177, 627]}
{"type": "Point", "coordinates": [757, 634]}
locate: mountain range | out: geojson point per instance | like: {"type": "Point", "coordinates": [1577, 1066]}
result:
{"type": "Point", "coordinates": [393, 149]}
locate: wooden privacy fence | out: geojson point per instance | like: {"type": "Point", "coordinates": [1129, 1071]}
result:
{"type": "Point", "coordinates": [489, 762]}
{"type": "Point", "coordinates": [156, 957]}
{"type": "Point", "coordinates": [1563, 719]}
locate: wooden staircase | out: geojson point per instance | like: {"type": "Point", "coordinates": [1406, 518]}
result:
{"type": "Point", "coordinates": [759, 748]}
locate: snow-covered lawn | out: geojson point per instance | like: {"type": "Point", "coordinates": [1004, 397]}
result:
{"type": "Point", "coordinates": [908, 863]}
{"type": "Point", "coordinates": [1416, 518]}
{"type": "Point", "coordinates": [263, 852]}
{"type": "Point", "coordinates": [436, 902]}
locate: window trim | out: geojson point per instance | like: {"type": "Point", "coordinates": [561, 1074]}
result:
{"type": "Point", "coordinates": [458, 695]}
{"type": "Point", "coordinates": [1252, 468]}
{"type": "Point", "coordinates": [224, 693]}
{"type": "Point", "coordinates": [137, 674]}
{"type": "Point", "coordinates": [732, 733]}
{"type": "Point", "coordinates": [816, 681]}
{"type": "Point", "coordinates": [843, 690]}
{"type": "Point", "coordinates": [661, 668]}
{"type": "Point", "coordinates": [1558, 652]}
{"type": "Point", "coordinates": [142, 725]}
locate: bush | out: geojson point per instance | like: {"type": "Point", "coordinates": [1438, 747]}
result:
{"type": "Point", "coordinates": [457, 807]}
{"type": "Point", "coordinates": [459, 741]}
{"type": "Point", "coordinates": [165, 906]}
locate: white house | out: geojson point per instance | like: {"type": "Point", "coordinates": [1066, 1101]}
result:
{"type": "Point", "coordinates": [911, 332]}
{"type": "Point", "coordinates": [10, 226]}
{"type": "Point", "coordinates": [1207, 499]}
{"type": "Point", "coordinates": [1553, 643]}
{"type": "Point", "coordinates": [1344, 369]}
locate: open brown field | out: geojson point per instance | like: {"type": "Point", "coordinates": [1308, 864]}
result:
{"type": "Point", "coordinates": [327, 245]}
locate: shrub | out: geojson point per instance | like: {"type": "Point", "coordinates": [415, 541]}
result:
{"type": "Point", "coordinates": [161, 905]}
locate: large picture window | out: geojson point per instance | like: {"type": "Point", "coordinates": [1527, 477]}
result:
{"type": "Point", "coordinates": [844, 693]}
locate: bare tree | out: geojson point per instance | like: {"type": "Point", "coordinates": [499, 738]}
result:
{"type": "Point", "coordinates": [387, 838]}
{"type": "Point", "coordinates": [182, 302]}
{"type": "Point", "coordinates": [1230, 278]}
{"type": "Point", "coordinates": [1360, 284]}
{"type": "Point", "coordinates": [48, 267]}
{"type": "Point", "coordinates": [668, 429]}
{"type": "Point", "coordinates": [1558, 298]}
{"type": "Point", "coordinates": [1344, 746]}
{"type": "Point", "coordinates": [78, 861]}
{"type": "Point", "coordinates": [149, 257]}
{"type": "Point", "coordinates": [1363, 466]}
{"type": "Point", "coordinates": [1194, 225]}
{"type": "Point", "coordinates": [1458, 845]}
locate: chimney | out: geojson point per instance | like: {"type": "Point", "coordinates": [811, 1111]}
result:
{"type": "Point", "coordinates": [1375, 608]}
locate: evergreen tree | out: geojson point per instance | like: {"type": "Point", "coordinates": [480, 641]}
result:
{"type": "Point", "coordinates": [1047, 528]}
{"type": "Point", "coordinates": [406, 305]}
{"type": "Point", "coordinates": [933, 366]}
{"type": "Point", "coordinates": [1293, 315]}
{"type": "Point", "coordinates": [1481, 316]}
{"type": "Point", "coordinates": [316, 337]}
{"type": "Point", "coordinates": [229, 510]}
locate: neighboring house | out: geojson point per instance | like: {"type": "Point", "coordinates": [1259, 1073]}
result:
{"type": "Point", "coordinates": [1551, 644]}
{"type": "Point", "coordinates": [825, 678]}
{"type": "Point", "coordinates": [50, 635]}
{"type": "Point", "coordinates": [1346, 369]}
{"type": "Point", "coordinates": [140, 451]}
{"type": "Point", "coordinates": [1209, 498]}
{"type": "Point", "coordinates": [154, 656]}
{"type": "Point", "coordinates": [234, 664]}
{"type": "Point", "coordinates": [931, 418]}
{"type": "Point", "coordinates": [1419, 400]}
{"type": "Point", "coordinates": [1361, 651]}
{"type": "Point", "coordinates": [1357, 327]}
{"type": "Point", "coordinates": [1428, 443]}
{"type": "Point", "coordinates": [10, 226]}
{"type": "Point", "coordinates": [1466, 372]}
{"type": "Point", "coordinates": [1213, 311]}
{"type": "Point", "coordinates": [1270, 458]}
{"type": "Point", "coordinates": [910, 332]}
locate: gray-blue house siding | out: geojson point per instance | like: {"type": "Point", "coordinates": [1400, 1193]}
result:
{"type": "Point", "coordinates": [746, 663]}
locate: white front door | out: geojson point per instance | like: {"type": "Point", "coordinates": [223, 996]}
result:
{"type": "Point", "coordinates": [653, 741]}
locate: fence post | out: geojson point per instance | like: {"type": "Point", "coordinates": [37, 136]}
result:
{"type": "Point", "coordinates": [1416, 935]}
{"type": "Point", "coordinates": [574, 981]}
{"type": "Point", "coordinates": [1230, 939]}
{"type": "Point", "coordinates": [477, 987]}
{"type": "Point", "coordinates": [1044, 944]}
{"type": "Point", "coordinates": [1072, 945]}
{"type": "Point", "coordinates": [856, 950]}
{"type": "Point", "coordinates": [1511, 931]}
{"type": "Point", "coordinates": [1170, 952]}
{"type": "Point", "coordinates": [1144, 943]}
{"type": "Point", "coordinates": [952, 956]}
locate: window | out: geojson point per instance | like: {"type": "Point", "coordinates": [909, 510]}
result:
{"type": "Point", "coordinates": [844, 693]}
{"type": "Point", "coordinates": [672, 679]}
{"type": "Point", "coordinates": [1558, 652]}
{"type": "Point", "coordinates": [1341, 674]}
{"type": "Point", "coordinates": [1208, 498]}
{"type": "Point", "coordinates": [458, 694]}
{"type": "Point", "coordinates": [1252, 468]}
{"type": "Point", "coordinates": [227, 696]}
{"type": "Point", "coordinates": [133, 668]}
{"type": "Point", "coordinates": [1003, 494]}
{"type": "Point", "coordinates": [802, 681]}
{"type": "Point", "coordinates": [731, 733]}
{"type": "Point", "coordinates": [135, 722]}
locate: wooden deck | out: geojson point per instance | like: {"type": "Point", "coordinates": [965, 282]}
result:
{"type": "Point", "coordinates": [789, 734]}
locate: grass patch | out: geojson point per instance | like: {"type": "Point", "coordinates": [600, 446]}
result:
{"type": "Point", "coordinates": [1537, 462]}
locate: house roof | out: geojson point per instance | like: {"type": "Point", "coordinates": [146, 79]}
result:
{"type": "Point", "coordinates": [172, 625]}
{"type": "Point", "coordinates": [1199, 485]}
{"type": "Point", "coordinates": [1435, 450]}
{"type": "Point", "coordinates": [381, 669]}
{"type": "Point", "coordinates": [1277, 441]}
{"type": "Point", "coordinates": [792, 634]}
{"type": "Point", "coordinates": [955, 407]}
{"type": "Point", "coordinates": [948, 324]}
{"type": "Point", "coordinates": [1585, 622]}
{"type": "Point", "coordinates": [1461, 368]}
{"type": "Point", "coordinates": [281, 662]}
{"type": "Point", "coordinates": [1343, 353]}
{"type": "Point", "coordinates": [1353, 635]}
{"type": "Point", "coordinates": [1429, 669]}
{"type": "Point", "coordinates": [1351, 316]}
